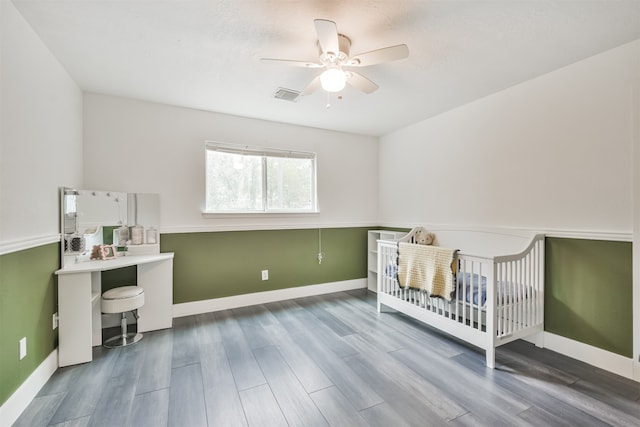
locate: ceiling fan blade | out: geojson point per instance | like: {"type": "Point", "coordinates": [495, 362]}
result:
{"type": "Point", "coordinates": [311, 87]}
{"type": "Point", "coordinates": [292, 62]}
{"type": "Point", "coordinates": [360, 82]}
{"type": "Point", "coordinates": [378, 56]}
{"type": "Point", "coordinates": [327, 32]}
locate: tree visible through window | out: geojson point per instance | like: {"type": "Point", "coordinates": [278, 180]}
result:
{"type": "Point", "coordinates": [244, 179]}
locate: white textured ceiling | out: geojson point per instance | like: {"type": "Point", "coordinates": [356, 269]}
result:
{"type": "Point", "coordinates": [205, 54]}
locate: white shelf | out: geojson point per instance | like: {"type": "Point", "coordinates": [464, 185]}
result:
{"type": "Point", "coordinates": [372, 253]}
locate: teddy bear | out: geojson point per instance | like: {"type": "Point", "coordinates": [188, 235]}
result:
{"type": "Point", "coordinates": [422, 237]}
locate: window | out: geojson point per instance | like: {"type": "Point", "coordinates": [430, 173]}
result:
{"type": "Point", "coordinates": [248, 179]}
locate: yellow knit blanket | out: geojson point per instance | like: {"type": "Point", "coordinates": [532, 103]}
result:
{"type": "Point", "coordinates": [429, 268]}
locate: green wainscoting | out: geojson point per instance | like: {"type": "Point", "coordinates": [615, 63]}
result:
{"type": "Point", "coordinates": [588, 292]}
{"type": "Point", "coordinates": [28, 299]}
{"type": "Point", "coordinates": [588, 284]}
{"type": "Point", "coordinates": [221, 264]}
{"type": "Point", "coordinates": [125, 276]}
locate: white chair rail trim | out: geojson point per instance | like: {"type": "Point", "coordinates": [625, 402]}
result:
{"type": "Point", "coordinates": [27, 243]}
{"type": "Point", "coordinates": [610, 235]}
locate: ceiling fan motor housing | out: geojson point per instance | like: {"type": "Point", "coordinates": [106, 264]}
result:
{"type": "Point", "coordinates": [344, 45]}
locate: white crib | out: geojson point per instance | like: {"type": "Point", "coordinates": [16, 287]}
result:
{"type": "Point", "coordinates": [499, 288]}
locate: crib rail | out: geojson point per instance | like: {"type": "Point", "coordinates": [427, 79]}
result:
{"type": "Point", "coordinates": [519, 290]}
{"type": "Point", "coordinates": [500, 295]}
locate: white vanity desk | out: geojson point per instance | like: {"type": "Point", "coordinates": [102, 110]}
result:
{"type": "Point", "coordinates": [79, 292]}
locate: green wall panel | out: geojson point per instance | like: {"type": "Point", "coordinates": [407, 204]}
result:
{"type": "Point", "coordinates": [125, 276]}
{"type": "Point", "coordinates": [220, 264]}
{"type": "Point", "coordinates": [28, 299]}
{"type": "Point", "coordinates": [588, 290]}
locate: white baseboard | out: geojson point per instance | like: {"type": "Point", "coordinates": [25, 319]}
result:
{"type": "Point", "coordinates": [225, 303]}
{"type": "Point", "coordinates": [20, 399]}
{"type": "Point", "coordinates": [595, 356]}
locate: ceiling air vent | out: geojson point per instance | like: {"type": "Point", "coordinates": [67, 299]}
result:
{"type": "Point", "coordinates": [286, 94]}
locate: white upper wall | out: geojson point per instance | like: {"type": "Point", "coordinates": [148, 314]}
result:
{"type": "Point", "coordinates": [40, 135]}
{"type": "Point", "coordinates": [144, 147]}
{"type": "Point", "coordinates": [553, 153]}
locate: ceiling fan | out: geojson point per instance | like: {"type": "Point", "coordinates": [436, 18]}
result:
{"type": "Point", "coordinates": [334, 58]}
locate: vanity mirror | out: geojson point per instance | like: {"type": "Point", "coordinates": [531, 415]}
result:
{"type": "Point", "coordinates": [92, 217]}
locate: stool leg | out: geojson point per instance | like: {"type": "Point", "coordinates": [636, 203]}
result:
{"type": "Point", "coordinates": [124, 338]}
{"type": "Point", "coordinates": [123, 326]}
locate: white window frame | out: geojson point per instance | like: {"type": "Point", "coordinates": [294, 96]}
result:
{"type": "Point", "coordinates": [264, 153]}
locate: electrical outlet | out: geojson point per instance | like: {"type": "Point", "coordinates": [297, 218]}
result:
{"type": "Point", "coordinates": [23, 348]}
{"type": "Point", "coordinates": [265, 274]}
{"type": "Point", "coordinates": [55, 321]}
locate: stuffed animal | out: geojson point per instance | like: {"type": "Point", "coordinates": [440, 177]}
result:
{"type": "Point", "coordinates": [96, 253]}
{"type": "Point", "coordinates": [423, 237]}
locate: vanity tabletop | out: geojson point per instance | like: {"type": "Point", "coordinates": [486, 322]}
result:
{"type": "Point", "coordinates": [110, 264]}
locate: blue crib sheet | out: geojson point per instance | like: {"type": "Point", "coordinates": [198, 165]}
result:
{"type": "Point", "coordinates": [470, 288]}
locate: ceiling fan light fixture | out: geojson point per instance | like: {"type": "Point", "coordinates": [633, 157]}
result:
{"type": "Point", "coordinates": [333, 80]}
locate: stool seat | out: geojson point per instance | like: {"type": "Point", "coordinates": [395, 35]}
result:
{"type": "Point", "coordinates": [121, 300]}
{"type": "Point", "coordinates": [123, 292]}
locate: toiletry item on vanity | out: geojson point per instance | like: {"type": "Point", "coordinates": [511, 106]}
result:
{"type": "Point", "coordinates": [152, 236]}
{"type": "Point", "coordinates": [137, 235]}
{"type": "Point", "coordinates": [123, 235]}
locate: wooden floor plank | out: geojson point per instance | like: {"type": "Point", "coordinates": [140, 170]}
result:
{"type": "Point", "coordinates": [40, 411]}
{"type": "Point", "coordinates": [207, 329]}
{"type": "Point", "coordinates": [415, 330]}
{"type": "Point", "coordinates": [608, 381]}
{"type": "Point", "coordinates": [410, 407]}
{"type": "Point", "coordinates": [155, 373]}
{"type": "Point", "coordinates": [296, 405]}
{"type": "Point", "coordinates": [505, 379]}
{"type": "Point", "coordinates": [261, 407]}
{"type": "Point", "coordinates": [186, 397]}
{"type": "Point", "coordinates": [286, 313]}
{"type": "Point", "coordinates": [315, 305]}
{"type": "Point", "coordinates": [539, 417]}
{"type": "Point", "coordinates": [429, 395]}
{"type": "Point", "coordinates": [322, 333]}
{"type": "Point", "coordinates": [185, 342]}
{"type": "Point", "coordinates": [550, 380]}
{"type": "Point", "coordinates": [252, 329]}
{"type": "Point", "coordinates": [150, 409]}
{"type": "Point", "coordinates": [242, 362]}
{"type": "Point", "coordinates": [336, 408]}
{"type": "Point", "coordinates": [473, 392]}
{"type": "Point", "coordinates": [331, 359]}
{"type": "Point", "coordinates": [306, 370]}
{"type": "Point", "coordinates": [64, 380]}
{"type": "Point", "coordinates": [77, 422]}
{"type": "Point", "coordinates": [115, 402]}
{"type": "Point", "coordinates": [221, 395]}
{"type": "Point", "coordinates": [82, 398]}
{"type": "Point", "coordinates": [383, 415]}
{"type": "Point", "coordinates": [357, 391]}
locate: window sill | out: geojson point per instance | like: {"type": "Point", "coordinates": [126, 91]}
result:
{"type": "Point", "coordinates": [273, 214]}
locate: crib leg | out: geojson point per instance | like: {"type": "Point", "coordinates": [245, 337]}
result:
{"type": "Point", "coordinates": [538, 339]}
{"type": "Point", "coordinates": [491, 357]}
{"type": "Point", "coordinates": [379, 307]}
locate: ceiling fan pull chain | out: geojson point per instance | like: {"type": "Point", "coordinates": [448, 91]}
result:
{"type": "Point", "coordinates": [328, 100]}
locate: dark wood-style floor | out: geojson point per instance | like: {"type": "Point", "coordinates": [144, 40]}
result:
{"type": "Point", "coordinates": [328, 360]}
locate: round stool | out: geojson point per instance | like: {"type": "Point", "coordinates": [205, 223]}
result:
{"type": "Point", "coordinates": [121, 300]}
